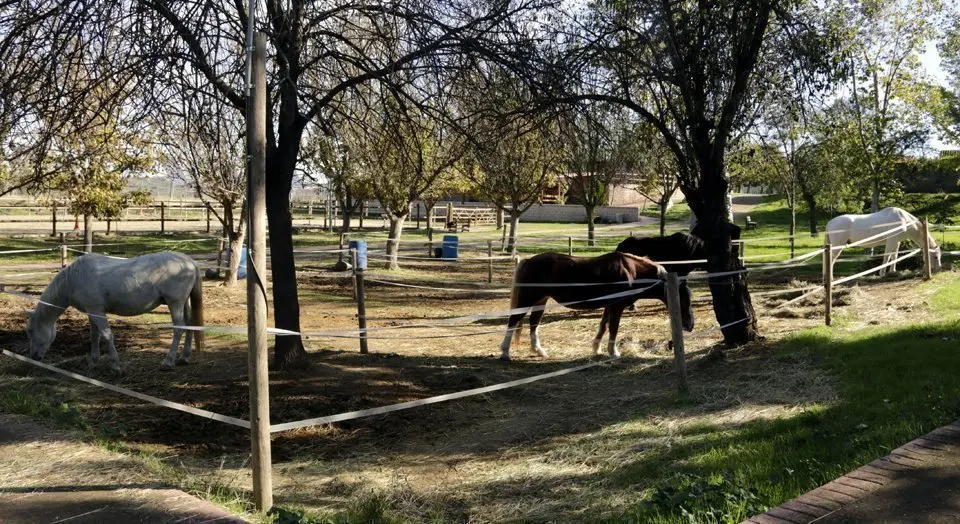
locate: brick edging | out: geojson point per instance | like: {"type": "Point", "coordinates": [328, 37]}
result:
{"type": "Point", "coordinates": [862, 481]}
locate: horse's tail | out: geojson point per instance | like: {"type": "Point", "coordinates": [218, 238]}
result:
{"type": "Point", "coordinates": [196, 309]}
{"type": "Point", "coordinates": [515, 299]}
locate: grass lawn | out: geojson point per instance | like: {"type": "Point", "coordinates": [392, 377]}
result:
{"type": "Point", "coordinates": [894, 384]}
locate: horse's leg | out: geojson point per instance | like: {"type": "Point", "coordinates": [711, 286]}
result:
{"type": "Point", "coordinates": [187, 338]}
{"type": "Point", "coordinates": [615, 313]}
{"type": "Point", "coordinates": [601, 331]}
{"type": "Point", "coordinates": [535, 317]}
{"type": "Point", "coordinates": [513, 325]}
{"type": "Point", "coordinates": [176, 314]}
{"type": "Point", "coordinates": [889, 253]}
{"type": "Point", "coordinates": [894, 253]}
{"type": "Point", "coordinates": [94, 357]}
{"type": "Point", "coordinates": [100, 320]}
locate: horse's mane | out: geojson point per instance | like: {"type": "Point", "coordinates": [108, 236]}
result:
{"type": "Point", "coordinates": [58, 288]}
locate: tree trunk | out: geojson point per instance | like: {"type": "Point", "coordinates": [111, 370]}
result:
{"type": "Point", "coordinates": [875, 201]}
{"type": "Point", "coordinates": [591, 227]}
{"type": "Point", "coordinates": [512, 241]}
{"type": "Point", "coordinates": [349, 206]}
{"type": "Point", "coordinates": [87, 233]}
{"type": "Point", "coordinates": [731, 298]}
{"type": "Point", "coordinates": [430, 218]}
{"type": "Point", "coordinates": [235, 231]}
{"type": "Point", "coordinates": [499, 219]}
{"type": "Point", "coordinates": [793, 220]}
{"type": "Point", "coordinates": [393, 242]}
{"type": "Point", "coordinates": [281, 161]}
{"type": "Point", "coordinates": [663, 215]}
{"type": "Point", "coordinates": [347, 215]}
{"type": "Point", "coordinates": [236, 249]}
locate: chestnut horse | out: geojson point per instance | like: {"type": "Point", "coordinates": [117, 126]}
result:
{"type": "Point", "coordinates": [612, 281]}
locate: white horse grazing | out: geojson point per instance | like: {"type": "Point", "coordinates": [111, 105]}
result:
{"type": "Point", "coordinates": [97, 285]}
{"type": "Point", "coordinates": [846, 229]}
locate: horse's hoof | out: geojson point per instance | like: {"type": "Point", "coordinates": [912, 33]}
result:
{"type": "Point", "coordinates": [505, 358]}
{"type": "Point", "coordinates": [542, 353]}
{"type": "Point", "coordinates": [166, 367]}
{"type": "Point", "coordinates": [183, 361]}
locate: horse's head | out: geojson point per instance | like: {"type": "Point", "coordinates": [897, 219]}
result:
{"type": "Point", "coordinates": [628, 245]}
{"type": "Point", "coordinates": [40, 335]}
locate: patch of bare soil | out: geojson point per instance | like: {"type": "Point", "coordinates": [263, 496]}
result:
{"type": "Point", "coordinates": [539, 452]}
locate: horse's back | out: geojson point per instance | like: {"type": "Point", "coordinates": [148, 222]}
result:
{"type": "Point", "coordinates": [131, 286]}
{"type": "Point", "coordinates": [854, 227]}
{"type": "Point", "coordinates": [560, 268]}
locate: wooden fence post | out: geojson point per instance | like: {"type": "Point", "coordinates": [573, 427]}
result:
{"type": "Point", "coordinates": [163, 217]}
{"type": "Point", "coordinates": [259, 378]}
{"type": "Point", "coordinates": [570, 246]}
{"type": "Point", "coordinates": [676, 331]}
{"type": "Point", "coordinates": [54, 233]}
{"type": "Point", "coordinates": [927, 269]}
{"type": "Point", "coordinates": [742, 250]}
{"type": "Point", "coordinates": [827, 282]}
{"type": "Point", "coordinates": [489, 261]}
{"type": "Point", "coordinates": [361, 302]}
{"type": "Point", "coordinates": [63, 251]}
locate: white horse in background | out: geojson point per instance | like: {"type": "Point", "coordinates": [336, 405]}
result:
{"type": "Point", "coordinates": [846, 229]}
{"type": "Point", "coordinates": [97, 285]}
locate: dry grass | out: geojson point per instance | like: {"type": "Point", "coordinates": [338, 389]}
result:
{"type": "Point", "coordinates": [548, 451]}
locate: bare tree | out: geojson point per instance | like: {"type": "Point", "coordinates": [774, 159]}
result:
{"type": "Point", "coordinates": [514, 150]}
{"type": "Point", "coordinates": [404, 151]}
{"type": "Point", "coordinates": [599, 150]}
{"type": "Point", "coordinates": [204, 146]}
{"type": "Point", "coordinates": [319, 51]}
{"type": "Point", "coordinates": [655, 176]}
{"type": "Point", "coordinates": [695, 72]}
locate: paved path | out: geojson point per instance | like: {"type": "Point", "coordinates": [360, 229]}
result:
{"type": "Point", "coordinates": [50, 477]}
{"type": "Point", "coordinates": [917, 482]}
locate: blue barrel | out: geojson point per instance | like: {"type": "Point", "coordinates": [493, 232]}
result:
{"type": "Point", "coordinates": [361, 247]}
{"type": "Point", "coordinates": [450, 245]}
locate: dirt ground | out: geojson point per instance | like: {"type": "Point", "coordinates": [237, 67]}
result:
{"type": "Point", "coordinates": [539, 452]}
{"type": "Point", "coordinates": [51, 476]}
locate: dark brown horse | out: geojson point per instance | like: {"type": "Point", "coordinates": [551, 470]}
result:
{"type": "Point", "coordinates": [586, 283]}
{"type": "Point", "coordinates": [678, 247]}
